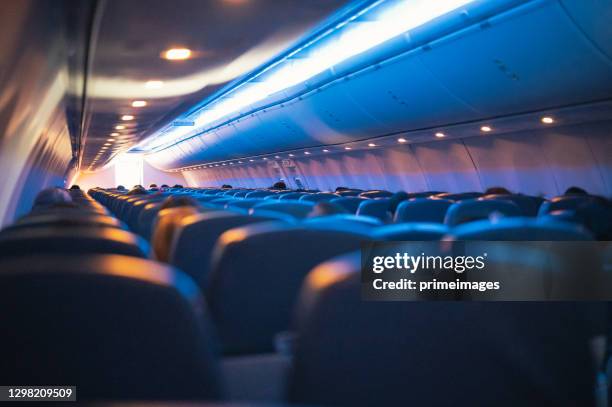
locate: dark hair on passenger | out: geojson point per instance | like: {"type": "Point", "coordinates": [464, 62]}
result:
{"type": "Point", "coordinates": [153, 186]}
{"type": "Point", "coordinates": [340, 189]}
{"type": "Point", "coordinates": [178, 201]}
{"type": "Point", "coordinates": [52, 197]}
{"type": "Point", "coordinates": [137, 190]}
{"type": "Point", "coordinates": [120, 187]}
{"type": "Point", "coordinates": [396, 199]}
{"type": "Point", "coordinates": [226, 186]}
{"type": "Point", "coordinates": [165, 186]}
{"type": "Point", "coordinates": [497, 191]}
{"type": "Point", "coordinates": [177, 186]}
{"type": "Point", "coordinates": [575, 191]}
{"type": "Point", "coordinates": [75, 187]}
{"type": "Point", "coordinates": [279, 185]}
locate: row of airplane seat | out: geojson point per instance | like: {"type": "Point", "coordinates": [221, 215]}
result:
{"type": "Point", "coordinates": [166, 282]}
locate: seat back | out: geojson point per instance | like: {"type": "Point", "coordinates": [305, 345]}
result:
{"type": "Point", "coordinates": [297, 209]}
{"type": "Point", "coordinates": [196, 237]}
{"type": "Point", "coordinates": [571, 202]}
{"type": "Point", "coordinates": [256, 274]}
{"type": "Point", "coordinates": [529, 205]}
{"type": "Point", "coordinates": [291, 195]}
{"type": "Point", "coordinates": [350, 203]}
{"type": "Point", "coordinates": [259, 194]}
{"type": "Point", "coordinates": [116, 327]}
{"type": "Point", "coordinates": [320, 197]}
{"type": "Point", "coordinates": [378, 208]}
{"type": "Point", "coordinates": [350, 350]}
{"type": "Point", "coordinates": [375, 194]}
{"type": "Point", "coordinates": [459, 196]}
{"type": "Point", "coordinates": [422, 210]}
{"type": "Point", "coordinates": [67, 242]}
{"type": "Point", "coordinates": [469, 210]}
{"type": "Point", "coordinates": [414, 231]}
{"type": "Point", "coordinates": [520, 229]}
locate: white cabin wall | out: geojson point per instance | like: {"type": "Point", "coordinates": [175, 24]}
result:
{"type": "Point", "coordinates": [539, 162]}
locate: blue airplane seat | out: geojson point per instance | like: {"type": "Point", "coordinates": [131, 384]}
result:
{"type": "Point", "coordinates": [565, 202]}
{"type": "Point", "coordinates": [117, 327]}
{"type": "Point", "coordinates": [528, 204]}
{"type": "Point", "coordinates": [319, 197]}
{"type": "Point", "coordinates": [350, 203]}
{"type": "Point", "coordinates": [292, 195]}
{"type": "Point", "coordinates": [256, 274]}
{"type": "Point", "coordinates": [376, 193]}
{"type": "Point", "coordinates": [196, 237]}
{"type": "Point", "coordinates": [378, 208]}
{"type": "Point", "coordinates": [458, 196]}
{"type": "Point", "coordinates": [346, 222]}
{"type": "Point", "coordinates": [422, 210]}
{"type": "Point", "coordinates": [470, 210]}
{"type": "Point", "coordinates": [298, 209]}
{"type": "Point", "coordinates": [259, 194]}
{"type": "Point", "coordinates": [413, 231]}
{"type": "Point", "coordinates": [70, 241]}
{"type": "Point", "coordinates": [245, 203]}
{"type": "Point", "coordinates": [520, 229]}
{"type": "Point", "coordinates": [350, 352]}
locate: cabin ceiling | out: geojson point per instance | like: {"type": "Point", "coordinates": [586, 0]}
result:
{"type": "Point", "coordinates": [228, 38]}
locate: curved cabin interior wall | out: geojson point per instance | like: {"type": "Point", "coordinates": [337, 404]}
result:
{"type": "Point", "coordinates": [539, 162]}
{"type": "Point", "coordinates": [35, 144]}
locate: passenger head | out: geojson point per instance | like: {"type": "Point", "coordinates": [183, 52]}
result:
{"type": "Point", "coordinates": [75, 187]}
{"type": "Point", "coordinates": [177, 186]}
{"type": "Point", "coordinates": [325, 209]}
{"type": "Point", "coordinates": [226, 186]}
{"type": "Point", "coordinates": [575, 191]}
{"type": "Point", "coordinates": [137, 190]}
{"type": "Point", "coordinates": [121, 188]}
{"type": "Point", "coordinates": [152, 186]}
{"type": "Point", "coordinates": [178, 201]}
{"type": "Point", "coordinates": [596, 215]}
{"type": "Point", "coordinates": [52, 197]}
{"type": "Point", "coordinates": [165, 186]}
{"type": "Point", "coordinates": [396, 199]}
{"type": "Point", "coordinates": [166, 225]}
{"type": "Point", "coordinates": [340, 189]}
{"type": "Point", "coordinates": [497, 191]}
{"type": "Point", "coordinates": [279, 185]}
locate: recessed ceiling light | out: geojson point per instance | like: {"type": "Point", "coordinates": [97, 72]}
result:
{"type": "Point", "coordinates": [325, 150]}
{"type": "Point", "coordinates": [307, 152]}
{"type": "Point", "coordinates": [114, 134]}
{"type": "Point", "coordinates": [127, 117]}
{"type": "Point", "coordinates": [486, 129]}
{"type": "Point", "coordinates": [371, 145]}
{"type": "Point", "coordinates": [154, 84]}
{"type": "Point", "coordinates": [440, 135]}
{"type": "Point", "coordinates": [290, 155]}
{"type": "Point", "coordinates": [251, 160]}
{"type": "Point", "coordinates": [139, 103]}
{"type": "Point", "coordinates": [347, 148]}
{"type": "Point", "coordinates": [548, 120]}
{"type": "Point", "coordinates": [265, 158]}
{"type": "Point", "coordinates": [119, 127]}
{"type": "Point", "coordinates": [401, 140]}
{"type": "Point", "coordinates": [175, 54]}
{"type": "Point", "coordinates": [277, 157]}
{"type": "Point", "coordinates": [112, 140]}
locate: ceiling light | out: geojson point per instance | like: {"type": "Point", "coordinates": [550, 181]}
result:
{"type": "Point", "coordinates": [176, 54]}
{"type": "Point", "coordinates": [486, 129]}
{"type": "Point", "coordinates": [119, 127]}
{"type": "Point", "coordinates": [371, 145]}
{"type": "Point", "coordinates": [265, 158]}
{"type": "Point", "coordinates": [347, 148]}
{"type": "Point", "coordinates": [325, 150]}
{"type": "Point", "coordinates": [440, 135]}
{"type": "Point", "coordinates": [307, 152]}
{"type": "Point", "coordinates": [127, 117]}
{"type": "Point", "coordinates": [401, 140]}
{"type": "Point", "coordinates": [277, 157]}
{"type": "Point", "coordinates": [548, 120]}
{"type": "Point", "coordinates": [251, 160]}
{"type": "Point", "coordinates": [114, 134]}
{"type": "Point", "coordinates": [154, 84]}
{"type": "Point", "coordinates": [290, 155]}
{"type": "Point", "coordinates": [139, 103]}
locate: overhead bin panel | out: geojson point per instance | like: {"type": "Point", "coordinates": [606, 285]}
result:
{"type": "Point", "coordinates": [532, 58]}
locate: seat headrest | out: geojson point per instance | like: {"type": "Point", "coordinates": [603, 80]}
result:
{"type": "Point", "coordinates": [520, 229]}
{"type": "Point", "coordinates": [297, 209]}
{"type": "Point", "coordinates": [415, 231]}
{"type": "Point", "coordinates": [68, 220]}
{"type": "Point", "coordinates": [459, 196]}
{"type": "Point", "coordinates": [376, 194]}
{"type": "Point", "coordinates": [76, 240]}
{"type": "Point", "coordinates": [529, 205]}
{"type": "Point", "coordinates": [422, 210]}
{"type": "Point", "coordinates": [270, 258]}
{"type": "Point", "coordinates": [378, 208]}
{"type": "Point", "coordinates": [344, 222]}
{"type": "Point", "coordinates": [470, 210]}
{"type": "Point", "coordinates": [143, 332]}
{"type": "Point", "coordinates": [319, 197]}
{"type": "Point", "coordinates": [350, 203]}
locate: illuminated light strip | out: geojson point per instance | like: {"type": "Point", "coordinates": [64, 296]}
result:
{"type": "Point", "coordinates": [385, 20]}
